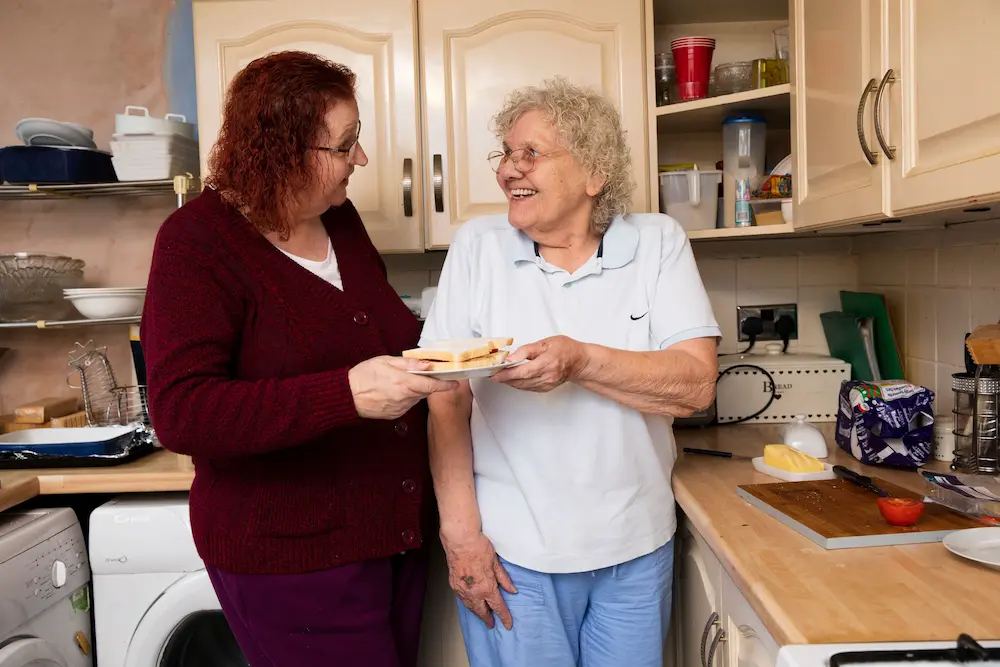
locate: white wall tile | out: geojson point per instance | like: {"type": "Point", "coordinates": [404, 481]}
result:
{"type": "Point", "coordinates": [840, 270]}
{"type": "Point", "coordinates": [718, 274]}
{"type": "Point", "coordinates": [766, 273]}
{"type": "Point", "coordinates": [985, 260]}
{"type": "Point", "coordinates": [921, 333]}
{"type": "Point", "coordinates": [951, 315]}
{"type": "Point", "coordinates": [812, 302]}
{"type": "Point", "coordinates": [954, 267]}
{"type": "Point", "coordinates": [944, 397]}
{"type": "Point", "coordinates": [882, 268]}
{"type": "Point", "coordinates": [985, 307]}
{"type": "Point", "coordinates": [922, 372]}
{"type": "Point", "coordinates": [921, 267]}
{"type": "Point", "coordinates": [724, 307]}
{"type": "Point", "coordinates": [767, 296]}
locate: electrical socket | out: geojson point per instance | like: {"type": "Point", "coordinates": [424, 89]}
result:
{"type": "Point", "coordinates": [767, 315]}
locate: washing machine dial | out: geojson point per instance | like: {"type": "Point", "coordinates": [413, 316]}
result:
{"type": "Point", "coordinates": [58, 574]}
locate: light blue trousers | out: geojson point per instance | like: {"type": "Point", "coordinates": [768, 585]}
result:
{"type": "Point", "coordinates": [614, 617]}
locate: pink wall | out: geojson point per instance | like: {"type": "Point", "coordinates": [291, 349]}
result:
{"type": "Point", "coordinates": [81, 61]}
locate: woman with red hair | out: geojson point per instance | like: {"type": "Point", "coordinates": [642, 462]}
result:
{"type": "Point", "coordinates": [272, 340]}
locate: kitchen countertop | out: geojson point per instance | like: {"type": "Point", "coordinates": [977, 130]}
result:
{"type": "Point", "coordinates": [803, 593]}
{"type": "Point", "coordinates": [808, 595]}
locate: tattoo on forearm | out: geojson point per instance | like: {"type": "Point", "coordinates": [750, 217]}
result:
{"type": "Point", "coordinates": [469, 580]}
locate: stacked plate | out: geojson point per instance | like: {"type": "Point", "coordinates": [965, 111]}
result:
{"type": "Point", "coordinates": [150, 157]}
{"type": "Point", "coordinates": [98, 303]}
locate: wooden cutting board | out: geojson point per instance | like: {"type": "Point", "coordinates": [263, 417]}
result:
{"type": "Point", "coordinates": [837, 514]}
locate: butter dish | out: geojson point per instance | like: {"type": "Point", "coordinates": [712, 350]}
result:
{"type": "Point", "coordinates": [760, 466]}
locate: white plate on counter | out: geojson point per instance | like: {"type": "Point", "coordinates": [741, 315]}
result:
{"type": "Point", "coordinates": [469, 373]}
{"type": "Point", "coordinates": [979, 544]}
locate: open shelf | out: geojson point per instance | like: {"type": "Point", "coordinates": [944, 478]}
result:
{"type": "Point", "coordinates": [740, 232]}
{"type": "Point", "coordinates": [61, 324]}
{"type": "Point", "coordinates": [719, 11]}
{"type": "Point", "coordinates": [181, 186]}
{"type": "Point", "coordinates": [773, 103]}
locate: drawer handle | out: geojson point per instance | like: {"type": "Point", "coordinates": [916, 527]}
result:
{"type": "Point", "coordinates": [890, 151]}
{"type": "Point", "coordinates": [439, 184]}
{"type": "Point", "coordinates": [408, 188]}
{"type": "Point", "coordinates": [869, 155]}
{"type": "Point", "coordinates": [712, 620]}
{"type": "Point", "coordinates": [720, 637]}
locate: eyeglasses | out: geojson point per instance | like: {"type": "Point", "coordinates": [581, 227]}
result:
{"type": "Point", "coordinates": [523, 158]}
{"type": "Point", "coordinates": [349, 151]}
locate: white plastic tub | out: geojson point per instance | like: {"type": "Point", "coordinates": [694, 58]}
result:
{"type": "Point", "coordinates": [691, 197]}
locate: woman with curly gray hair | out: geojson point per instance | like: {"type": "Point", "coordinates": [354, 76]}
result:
{"type": "Point", "coordinates": [553, 476]}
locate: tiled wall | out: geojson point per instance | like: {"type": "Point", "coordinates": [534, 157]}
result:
{"type": "Point", "coordinates": [938, 285]}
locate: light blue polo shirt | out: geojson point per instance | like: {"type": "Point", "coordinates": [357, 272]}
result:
{"type": "Point", "coordinates": [570, 481]}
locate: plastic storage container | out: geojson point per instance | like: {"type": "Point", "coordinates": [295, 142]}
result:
{"type": "Point", "coordinates": [691, 197]}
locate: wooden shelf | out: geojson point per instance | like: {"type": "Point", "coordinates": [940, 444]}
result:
{"type": "Point", "coordinates": [61, 324]}
{"type": "Point", "coordinates": [181, 186]}
{"type": "Point", "coordinates": [706, 115]}
{"type": "Point", "coordinates": [718, 11]}
{"type": "Point", "coordinates": [730, 233]}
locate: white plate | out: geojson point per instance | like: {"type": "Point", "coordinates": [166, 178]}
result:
{"type": "Point", "coordinates": [469, 373]}
{"type": "Point", "coordinates": [47, 132]}
{"type": "Point", "coordinates": [979, 544]}
{"type": "Point", "coordinates": [760, 466]}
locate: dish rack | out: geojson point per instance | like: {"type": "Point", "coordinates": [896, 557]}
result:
{"type": "Point", "coordinates": [105, 402]}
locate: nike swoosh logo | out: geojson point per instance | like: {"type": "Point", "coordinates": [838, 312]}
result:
{"type": "Point", "coordinates": [634, 318]}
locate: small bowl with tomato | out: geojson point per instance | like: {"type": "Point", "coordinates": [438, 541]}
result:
{"type": "Point", "coordinates": [900, 511]}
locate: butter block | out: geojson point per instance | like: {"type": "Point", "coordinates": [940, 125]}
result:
{"type": "Point", "coordinates": [42, 410]}
{"type": "Point", "coordinates": [790, 459]}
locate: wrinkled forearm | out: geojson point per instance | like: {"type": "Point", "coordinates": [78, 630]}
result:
{"type": "Point", "coordinates": [666, 382]}
{"type": "Point", "coordinates": [450, 448]}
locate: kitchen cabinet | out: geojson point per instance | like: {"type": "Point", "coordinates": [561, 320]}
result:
{"type": "Point", "coordinates": [474, 53]}
{"type": "Point", "coordinates": [430, 76]}
{"type": "Point", "coordinates": [892, 113]}
{"type": "Point", "coordinates": [839, 58]}
{"type": "Point", "coordinates": [748, 643]}
{"type": "Point", "coordinates": [944, 106]}
{"type": "Point", "coordinates": [377, 41]}
{"type": "Point", "coordinates": [698, 602]}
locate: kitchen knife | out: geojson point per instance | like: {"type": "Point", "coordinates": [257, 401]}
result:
{"type": "Point", "coordinates": [863, 481]}
{"type": "Point", "coordinates": [713, 452]}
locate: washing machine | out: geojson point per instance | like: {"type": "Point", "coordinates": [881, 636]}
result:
{"type": "Point", "coordinates": [45, 601]}
{"type": "Point", "coordinates": [154, 605]}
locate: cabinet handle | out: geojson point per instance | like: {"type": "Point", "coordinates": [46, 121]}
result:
{"type": "Point", "coordinates": [890, 151]}
{"type": "Point", "coordinates": [720, 636]}
{"type": "Point", "coordinates": [712, 620]}
{"type": "Point", "coordinates": [408, 187]}
{"type": "Point", "coordinates": [869, 155]}
{"type": "Point", "coordinates": [439, 184]}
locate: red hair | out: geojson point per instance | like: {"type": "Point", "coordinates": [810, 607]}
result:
{"type": "Point", "coordinates": [274, 112]}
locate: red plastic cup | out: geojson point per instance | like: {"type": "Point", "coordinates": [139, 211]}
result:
{"type": "Point", "coordinates": [692, 66]}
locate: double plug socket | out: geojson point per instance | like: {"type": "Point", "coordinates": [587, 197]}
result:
{"type": "Point", "coordinates": [768, 315]}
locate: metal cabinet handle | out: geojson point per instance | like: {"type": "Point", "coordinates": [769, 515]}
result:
{"type": "Point", "coordinates": [439, 184]}
{"type": "Point", "coordinates": [890, 151]}
{"type": "Point", "coordinates": [712, 620]}
{"type": "Point", "coordinates": [869, 155]}
{"type": "Point", "coordinates": [720, 636]}
{"type": "Point", "coordinates": [408, 187]}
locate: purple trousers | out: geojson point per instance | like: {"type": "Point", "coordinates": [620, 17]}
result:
{"type": "Point", "coordinates": [365, 613]}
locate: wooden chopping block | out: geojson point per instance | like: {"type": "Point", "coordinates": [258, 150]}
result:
{"type": "Point", "coordinates": [984, 344]}
{"type": "Point", "coordinates": [9, 425]}
{"type": "Point", "coordinates": [44, 409]}
{"type": "Point", "coordinates": [75, 420]}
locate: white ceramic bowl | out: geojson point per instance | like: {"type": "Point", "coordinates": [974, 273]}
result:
{"type": "Point", "coordinates": [100, 306]}
{"type": "Point", "coordinates": [786, 210]}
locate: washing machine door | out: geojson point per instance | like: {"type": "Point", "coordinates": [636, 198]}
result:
{"type": "Point", "coordinates": [184, 628]}
{"type": "Point", "coordinates": [30, 652]}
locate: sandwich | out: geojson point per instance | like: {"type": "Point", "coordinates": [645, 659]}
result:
{"type": "Point", "coordinates": [462, 354]}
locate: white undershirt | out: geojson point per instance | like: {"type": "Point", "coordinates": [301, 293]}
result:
{"type": "Point", "coordinates": [327, 269]}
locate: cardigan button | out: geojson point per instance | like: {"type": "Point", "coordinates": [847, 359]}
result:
{"type": "Point", "coordinates": [361, 317]}
{"type": "Point", "coordinates": [408, 537]}
{"type": "Point", "coordinates": [409, 486]}
{"type": "Point", "coordinates": [401, 429]}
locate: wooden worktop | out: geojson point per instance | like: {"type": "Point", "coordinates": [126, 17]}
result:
{"type": "Point", "coordinates": [803, 593]}
{"type": "Point", "coordinates": [808, 595]}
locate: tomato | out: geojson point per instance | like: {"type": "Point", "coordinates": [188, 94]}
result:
{"type": "Point", "coordinates": [901, 511]}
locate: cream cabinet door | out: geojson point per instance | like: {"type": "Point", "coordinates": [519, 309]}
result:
{"type": "Point", "coordinates": [699, 614]}
{"type": "Point", "coordinates": [376, 39]}
{"type": "Point", "coordinates": [945, 103]}
{"type": "Point", "coordinates": [474, 53]}
{"type": "Point", "coordinates": [748, 642]}
{"type": "Point", "coordinates": [837, 51]}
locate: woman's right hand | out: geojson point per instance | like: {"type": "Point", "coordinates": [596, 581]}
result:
{"type": "Point", "coordinates": [383, 389]}
{"type": "Point", "coordinates": [476, 574]}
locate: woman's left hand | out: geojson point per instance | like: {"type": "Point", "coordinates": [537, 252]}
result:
{"type": "Point", "coordinates": [551, 362]}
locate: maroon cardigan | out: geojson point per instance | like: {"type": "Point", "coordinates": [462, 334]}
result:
{"type": "Point", "coordinates": [247, 356]}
